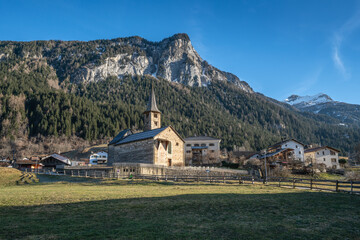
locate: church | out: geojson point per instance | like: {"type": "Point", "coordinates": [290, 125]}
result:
{"type": "Point", "coordinates": [156, 145]}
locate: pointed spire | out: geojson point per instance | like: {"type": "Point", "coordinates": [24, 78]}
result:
{"type": "Point", "coordinates": [151, 107]}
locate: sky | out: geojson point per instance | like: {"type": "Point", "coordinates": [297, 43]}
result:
{"type": "Point", "coordinates": [280, 48]}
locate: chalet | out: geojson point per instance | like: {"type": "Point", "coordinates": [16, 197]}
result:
{"type": "Point", "coordinates": [55, 161]}
{"type": "Point", "coordinates": [98, 158]}
{"type": "Point", "coordinates": [290, 149]}
{"type": "Point", "coordinates": [155, 145]}
{"type": "Point", "coordinates": [323, 155]}
{"type": "Point", "coordinates": [202, 150]}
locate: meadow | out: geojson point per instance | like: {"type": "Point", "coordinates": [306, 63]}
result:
{"type": "Point", "coordinates": [59, 207]}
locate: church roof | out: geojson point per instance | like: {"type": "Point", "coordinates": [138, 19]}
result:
{"type": "Point", "coordinates": [119, 136]}
{"type": "Point", "coordinates": [151, 106]}
{"type": "Point", "coordinates": [141, 136]}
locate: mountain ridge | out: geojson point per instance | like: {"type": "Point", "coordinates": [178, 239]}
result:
{"type": "Point", "coordinates": [323, 104]}
{"type": "Point", "coordinates": [67, 88]}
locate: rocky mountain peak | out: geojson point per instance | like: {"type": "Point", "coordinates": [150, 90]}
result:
{"type": "Point", "coordinates": [173, 59]}
{"type": "Point", "coordinates": [308, 100]}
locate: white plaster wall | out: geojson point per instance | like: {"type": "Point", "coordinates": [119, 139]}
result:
{"type": "Point", "coordinates": [298, 149]}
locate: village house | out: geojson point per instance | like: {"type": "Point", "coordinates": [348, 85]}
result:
{"type": "Point", "coordinates": [55, 161]}
{"type": "Point", "coordinates": [323, 155]}
{"type": "Point", "coordinates": [285, 151]}
{"type": "Point", "coordinates": [98, 158]}
{"type": "Point", "coordinates": [155, 145]}
{"type": "Point", "coordinates": [202, 150]}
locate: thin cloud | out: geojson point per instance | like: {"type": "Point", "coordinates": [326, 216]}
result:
{"type": "Point", "coordinates": [342, 33]}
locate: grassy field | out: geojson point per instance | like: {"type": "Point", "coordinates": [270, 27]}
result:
{"type": "Point", "coordinates": [78, 208]}
{"type": "Point", "coordinates": [11, 176]}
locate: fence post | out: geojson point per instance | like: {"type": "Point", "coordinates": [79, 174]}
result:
{"type": "Point", "coordinates": [223, 179]}
{"type": "Point", "coordinates": [252, 180]}
{"type": "Point", "coordinates": [239, 180]}
{"type": "Point", "coordinates": [293, 182]}
{"type": "Point", "coordinates": [337, 185]}
{"type": "Point", "coordinates": [279, 181]}
{"type": "Point", "coordinates": [311, 184]}
{"type": "Point", "coordinates": [102, 173]}
{"type": "Point", "coordinates": [351, 187]}
{"type": "Point", "coordinates": [64, 172]}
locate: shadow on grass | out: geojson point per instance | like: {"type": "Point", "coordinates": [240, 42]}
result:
{"type": "Point", "coordinates": [305, 215]}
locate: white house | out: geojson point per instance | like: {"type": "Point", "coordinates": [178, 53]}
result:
{"type": "Point", "coordinates": [98, 158]}
{"type": "Point", "coordinates": [323, 155]}
{"type": "Point", "coordinates": [295, 146]}
{"type": "Point", "coordinates": [202, 150]}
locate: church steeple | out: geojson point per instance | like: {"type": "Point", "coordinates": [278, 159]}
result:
{"type": "Point", "coordinates": [152, 115]}
{"type": "Point", "coordinates": [151, 106]}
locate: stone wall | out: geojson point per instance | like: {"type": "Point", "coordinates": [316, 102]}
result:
{"type": "Point", "coordinates": [135, 152]}
{"type": "Point", "coordinates": [161, 154]}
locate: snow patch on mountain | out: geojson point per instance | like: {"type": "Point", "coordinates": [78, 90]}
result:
{"type": "Point", "coordinates": [308, 100]}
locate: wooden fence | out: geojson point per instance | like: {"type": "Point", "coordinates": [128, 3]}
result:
{"type": "Point", "coordinates": [302, 183]}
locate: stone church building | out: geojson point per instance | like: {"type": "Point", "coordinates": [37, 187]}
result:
{"type": "Point", "coordinates": [155, 145]}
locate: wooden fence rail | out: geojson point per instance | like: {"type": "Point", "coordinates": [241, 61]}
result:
{"type": "Point", "coordinates": [302, 183]}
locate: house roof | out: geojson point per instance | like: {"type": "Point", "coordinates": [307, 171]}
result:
{"type": "Point", "coordinates": [320, 148]}
{"type": "Point", "coordinates": [26, 162]}
{"type": "Point", "coordinates": [282, 142]}
{"type": "Point", "coordinates": [276, 152]}
{"type": "Point", "coordinates": [60, 158]}
{"type": "Point", "coordinates": [118, 137]}
{"type": "Point", "coordinates": [151, 106]}
{"type": "Point", "coordinates": [200, 138]}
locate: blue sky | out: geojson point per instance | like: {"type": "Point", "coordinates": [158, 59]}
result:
{"type": "Point", "coordinates": [279, 47]}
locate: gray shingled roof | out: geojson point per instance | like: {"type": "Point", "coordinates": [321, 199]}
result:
{"type": "Point", "coordinates": [119, 136]}
{"type": "Point", "coordinates": [141, 136]}
{"type": "Point", "coordinates": [151, 106]}
{"type": "Point", "coordinates": [59, 157]}
{"type": "Point", "coordinates": [201, 138]}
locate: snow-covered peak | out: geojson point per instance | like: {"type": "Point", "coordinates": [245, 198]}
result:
{"type": "Point", "coordinates": [308, 100]}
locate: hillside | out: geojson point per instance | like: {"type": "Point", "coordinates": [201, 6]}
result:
{"type": "Point", "coordinates": [56, 88]}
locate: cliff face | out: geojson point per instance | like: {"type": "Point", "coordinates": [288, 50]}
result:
{"type": "Point", "coordinates": [173, 59]}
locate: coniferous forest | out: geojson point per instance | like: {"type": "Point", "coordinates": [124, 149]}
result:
{"type": "Point", "coordinates": [38, 100]}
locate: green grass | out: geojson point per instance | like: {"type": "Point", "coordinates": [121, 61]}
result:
{"type": "Point", "coordinates": [60, 208]}
{"type": "Point", "coordinates": [11, 176]}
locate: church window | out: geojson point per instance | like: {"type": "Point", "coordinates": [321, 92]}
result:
{"type": "Point", "coordinates": [188, 145]}
{"type": "Point", "coordinates": [156, 123]}
{"type": "Point", "coordinates": [169, 148]}
{"type": "Point", "coordinates": [177, 144]}
{"type": "Point", "coordinates": [155, 115]}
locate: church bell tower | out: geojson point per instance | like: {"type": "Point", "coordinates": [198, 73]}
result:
{"type": "Point", "coordinates": [152, 115]}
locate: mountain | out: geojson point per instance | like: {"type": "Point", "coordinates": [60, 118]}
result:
{"type": "Point", "coordinates": [307, 101]}
{"type": "Point", "coordinates": [323, 104]}
{"type": "Point", "coordinates": [91, 90]}
{"type": "Point", "coordinates": [173, 59]}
